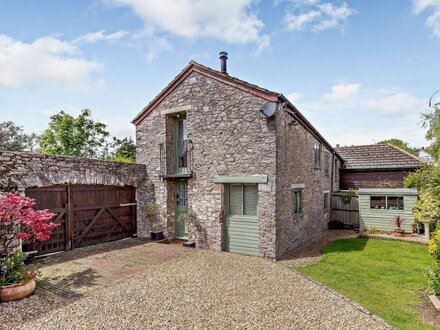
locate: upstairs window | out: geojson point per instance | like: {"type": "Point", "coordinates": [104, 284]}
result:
{"type": "Point", "coordinates": [317, 155]}
{"type": "Point", "coordinates": [298, 201]}
{"type": "Point", "coordinates": [327, 164]}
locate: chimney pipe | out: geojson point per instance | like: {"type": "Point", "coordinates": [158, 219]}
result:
{"type": "Point", "coordinates": [223, 60]}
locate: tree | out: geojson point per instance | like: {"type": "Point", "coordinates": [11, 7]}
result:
{"type": "Point", "coordinates": [13, 138]}
{"type": "Point", "coordinates": [400, 144]}
{"type": "Point", "coordinates": [124, 150]}
{"type": "Point", "coordinates": [431, 121]}
{"type": "Point", "coordinates": [80, 136]}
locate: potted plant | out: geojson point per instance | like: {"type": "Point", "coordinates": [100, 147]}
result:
{"type": "Point", "coordinates": [190, 219]}
{"type": "Point", "coordinates": [398, 221]}
{"type": "Point", "coordinates": [19, 222]}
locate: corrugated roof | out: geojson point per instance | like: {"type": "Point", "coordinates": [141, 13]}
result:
{"type": "Point", "coordinates": [377, 156]}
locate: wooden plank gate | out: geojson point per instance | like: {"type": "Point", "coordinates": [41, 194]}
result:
{"type": "Point", "coordinates": [348, 213]}
{"type": "Point", "coordinates": [87, 214]}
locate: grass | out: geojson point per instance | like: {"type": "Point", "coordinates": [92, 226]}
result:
{"type": "Point", "coordinates": [383, 276]}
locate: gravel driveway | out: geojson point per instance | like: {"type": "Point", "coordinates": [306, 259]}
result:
{"type": "Point", "coordinates": [207, 289]}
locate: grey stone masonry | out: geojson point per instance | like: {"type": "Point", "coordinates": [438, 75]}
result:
{"type": "Point", "coordinates": [20, 170]}
{"type": "Point", "coordinates": [295, 166]}
{"type": "Point", "coordinates": [229, 138]}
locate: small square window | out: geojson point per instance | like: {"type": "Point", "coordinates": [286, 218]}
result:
{"type": "Point", "coordinates": [378, 202]}
{"type": "Point", "coordinates": [395, 203]}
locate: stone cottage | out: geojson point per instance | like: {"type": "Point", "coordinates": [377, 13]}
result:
{"type": "Point", "coordinates": [255, 174]}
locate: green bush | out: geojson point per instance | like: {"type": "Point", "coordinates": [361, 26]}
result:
{"type": "Point", "coordinates": [434, 277]}
{"type": "Point", "coordinates": [12, 269]}
{"type": "Point", "coordinates": [347, 196]}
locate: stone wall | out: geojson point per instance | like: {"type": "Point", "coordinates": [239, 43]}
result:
{"type": "Point", "coordinates": [228, 138]}
{"type": "Point", "coordinates": [295, 165]}
{"type": "Point", "coordinates": [20, 170]}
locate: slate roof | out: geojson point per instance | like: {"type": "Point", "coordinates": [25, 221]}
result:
{"type": "Point", "coordinates": [377, 156]}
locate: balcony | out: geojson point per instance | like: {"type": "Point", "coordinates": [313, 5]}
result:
{"type": "Point", "coordinates": [176, 159]}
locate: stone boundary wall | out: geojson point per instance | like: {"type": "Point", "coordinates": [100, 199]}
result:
{"type": "Point", "coordinates": [20, 170]}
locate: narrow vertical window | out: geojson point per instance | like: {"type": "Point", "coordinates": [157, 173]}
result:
{"type": "Point", "coordinates": [327, 164]}
{"type": "Point", "coordinates": [317, 155]}
{"type": "Point", "coordinates": [297, 202]}
{"type": "Point", "coordinates": [326, 202]}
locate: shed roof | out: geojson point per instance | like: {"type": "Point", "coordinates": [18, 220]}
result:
{"type": "Point", "coordinates": [387, 191]}
{"type": "Point", "coordinates": [377, 156]}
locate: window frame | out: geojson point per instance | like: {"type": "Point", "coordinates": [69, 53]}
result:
{"type": "Point", "coordinates": [242, 186]}
{"type": "Point", "coordinates": [326, 204]}
{"type": "Point", "coordinates": [386, 202]}
{"type": "Point", "coordinates": [297, 197]}
{"type": "Point", "coordinates": [317, 155]}
{"type": "Point", "coordinates": [327, 164]}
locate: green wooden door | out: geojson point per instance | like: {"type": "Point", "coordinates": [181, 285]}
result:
{"type": "Point", "coordinates": [242, 227]}
{"type": "Point", "coordinates": [181, 207]}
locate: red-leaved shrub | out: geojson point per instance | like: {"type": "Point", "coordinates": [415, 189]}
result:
{"type": "Point", "coordinates": [19, 221]}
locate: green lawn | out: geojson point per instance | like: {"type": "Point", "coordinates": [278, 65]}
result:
{"type": "Point", "coordinates": [383, 276]}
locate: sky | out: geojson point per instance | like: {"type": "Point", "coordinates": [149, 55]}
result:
{"type": "Point", "coordinates": [360, 71]}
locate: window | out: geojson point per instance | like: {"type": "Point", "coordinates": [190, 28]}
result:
{"type": "Point", "coordinates": [395, 203]}
{"type": "Point", "coordinates": [298, 201]}
{"type": "Point", "coordinates": [387, 202]}
{"type": "Point", "coordinates": [327, 164]}
{"type": "Point", "coordinates": [243, 199]}
{"type": "Point", "coordinates": [317, 154]}
{"type": "Point", "coordinates": [326, 194]}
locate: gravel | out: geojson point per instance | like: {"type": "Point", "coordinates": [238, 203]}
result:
{"type": "Point", "coordinates": [16, 313]}
{"type": "Point", "coordinates": [209, 289]}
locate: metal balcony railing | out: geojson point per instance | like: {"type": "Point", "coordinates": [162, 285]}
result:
{"type": "Point", "coordinates": [176, 159]}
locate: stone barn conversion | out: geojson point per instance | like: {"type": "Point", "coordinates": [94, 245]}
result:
{"type": "Point", "coordinates": [375, 166]}
{"type": "Point", "coordinates": [251, 169]}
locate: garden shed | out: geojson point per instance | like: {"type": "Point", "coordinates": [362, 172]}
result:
{"type": "Point", "coordinates": [378, 207]}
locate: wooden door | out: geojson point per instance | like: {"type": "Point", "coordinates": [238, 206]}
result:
{"type": "Point", "coordinates": [88, 214]}
{"type": "Point", "coordinates": [181, 208]}
{"type": "Point", "coordinates": [242, 227]}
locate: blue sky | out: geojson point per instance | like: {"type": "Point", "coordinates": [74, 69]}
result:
{"type": "Point", "coordinates": [360, 71]}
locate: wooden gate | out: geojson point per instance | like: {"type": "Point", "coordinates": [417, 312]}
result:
{"type": "Point", "coordinates": [88, 214]}
{"type": "Point", "coordinates": [348, 213]}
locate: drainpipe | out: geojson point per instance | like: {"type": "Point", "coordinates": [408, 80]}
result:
{"type": "Point", "coordinates": [331, 185]}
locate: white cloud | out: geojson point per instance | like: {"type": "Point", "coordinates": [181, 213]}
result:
{"type": "Point", "coordinates": [120, 127]}
{"type": "Point", "coordinates": [93, 37]}
{"type": "Point", "coordinates": [294, 97]}
{"type": "Point", "coordinates": [433, 7]}
{"type": "Point", "coordinates": [46, 60]}
{"type": "Point", "coordinates": [231, 21]}
{"type": "Point", "coordinates": [155, 47]}
{"type": "Point", "coordinates": [341, 92]}
{"type": "Point", "coordinates": [317, 16]}
{"type": "Point", "coordinates": [397, 103]}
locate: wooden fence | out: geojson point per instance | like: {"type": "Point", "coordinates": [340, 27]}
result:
{"type": "Point", "coordinates": [348, 213]}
